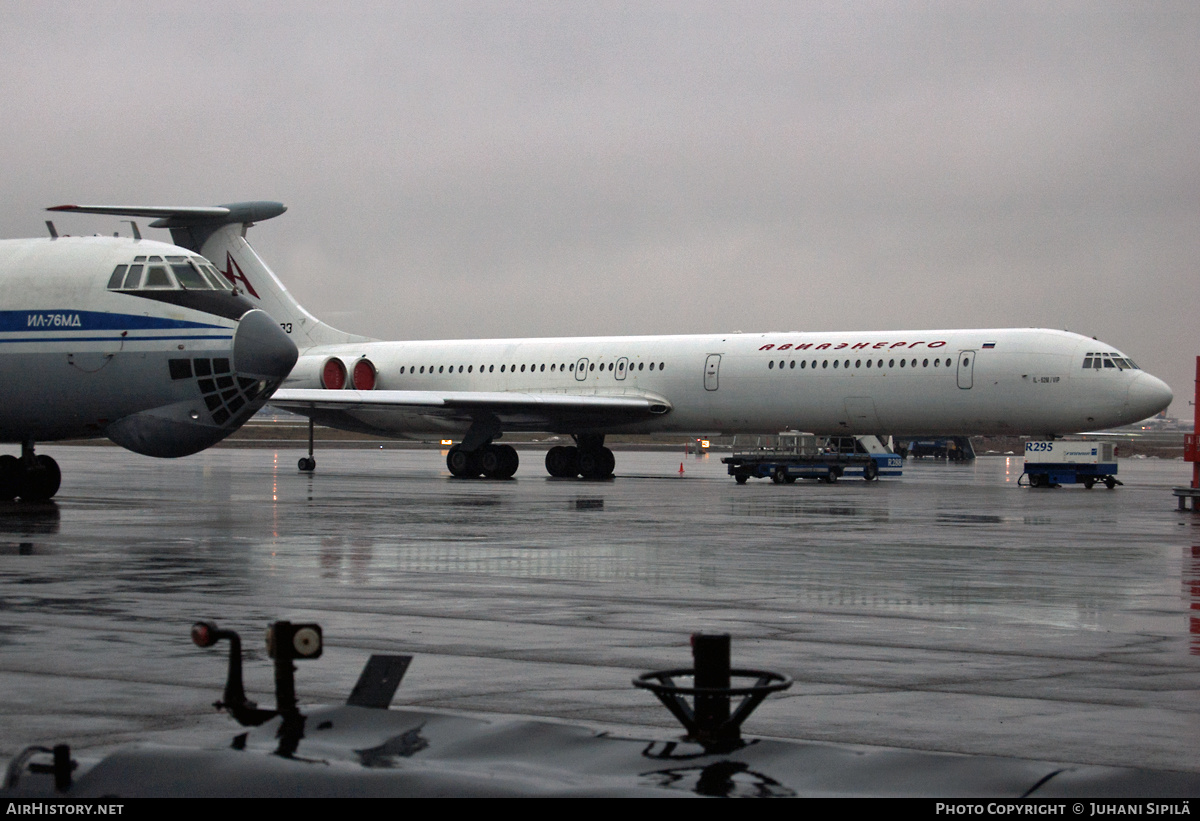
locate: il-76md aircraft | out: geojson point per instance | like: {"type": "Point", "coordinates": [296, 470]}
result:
{"type": "Point", "coordinates": [993, 381]}
{"type": "Point", "coordinates": [139, 341]}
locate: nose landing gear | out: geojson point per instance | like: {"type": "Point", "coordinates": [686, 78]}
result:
{"type": "Point", "coordinates": [308, 464]}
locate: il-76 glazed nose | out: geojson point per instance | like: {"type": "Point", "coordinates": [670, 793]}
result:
{"type": "Point", "coordinates": [1147, 396]}
{"type": "Point", "coordinates": [261, 349]}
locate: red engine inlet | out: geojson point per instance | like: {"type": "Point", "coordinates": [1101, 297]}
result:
{"type": "Point", "coordinates": [333, 375]}
{"type": "Point", "coordinates": [364, 375]}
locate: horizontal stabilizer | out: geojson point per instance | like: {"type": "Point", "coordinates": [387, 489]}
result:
{"type": "Point", "coordinates": [177, 217]}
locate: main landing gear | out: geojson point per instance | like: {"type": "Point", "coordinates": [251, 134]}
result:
{"type": "Point", "coordinates": [589, 459]}
{"type": "Point", "coordinates": [33, 478]}
{"type": "Point", "coordinates": [490, 461]}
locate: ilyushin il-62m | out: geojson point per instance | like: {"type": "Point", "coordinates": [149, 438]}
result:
{"type": "Point", "coordinates": [138, 341]}
{"type": "Point", "coordinates": [911, 383]}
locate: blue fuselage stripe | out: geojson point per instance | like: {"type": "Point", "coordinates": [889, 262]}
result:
{"type": "Point", "coordinates": [40, 339]}
{"type": "Point", "coordinates": [58, 319]}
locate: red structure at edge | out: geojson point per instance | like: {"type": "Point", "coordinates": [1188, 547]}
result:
{"type": "Point", "coordinates": [1191, 441]}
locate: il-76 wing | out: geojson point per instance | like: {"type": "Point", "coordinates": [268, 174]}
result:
{"type": "Point", "coordinates": [395, 410]}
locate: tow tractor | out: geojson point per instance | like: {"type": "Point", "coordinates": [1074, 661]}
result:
{"type": "Point", "coordinates": [796, 455]}
{"type": "Point", "coordinates": [1062, 462]}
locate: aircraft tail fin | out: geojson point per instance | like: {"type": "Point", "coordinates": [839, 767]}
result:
{"type": "Point", "coordinates": [219, 234]}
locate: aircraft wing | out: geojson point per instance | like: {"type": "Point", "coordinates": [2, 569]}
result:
{"type": "Point", "coordinates": [389, 410]}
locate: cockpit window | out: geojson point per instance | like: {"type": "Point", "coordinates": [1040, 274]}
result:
{"type": "Point", "coordinates": [189, 277]}
{"type": "Point", "coordinates": [219, 282]}
{"type": "Point", "coordinates": [1099, 360]}
{"type": "Point", "coordinates": [133, 279]}
{"type": "Point", "coordinates": [186, 273]}
{"type": "Point", "coordinates": [157, 277]}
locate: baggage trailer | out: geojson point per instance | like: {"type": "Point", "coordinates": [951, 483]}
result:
{"type": "Point", "coordinates": [801, 456]}
{"type": "Point", "coordinates": [1062, 462]}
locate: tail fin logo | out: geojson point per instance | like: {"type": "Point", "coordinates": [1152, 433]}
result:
{"type": "Point", "coordinates": [230, 268]}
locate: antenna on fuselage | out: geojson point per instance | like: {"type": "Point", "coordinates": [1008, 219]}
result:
{"type": "Point", "coordinates": [53, 230]}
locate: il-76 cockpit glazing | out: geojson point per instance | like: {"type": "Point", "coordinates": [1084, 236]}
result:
{"type": "Point", "coordinates": [189, 282]}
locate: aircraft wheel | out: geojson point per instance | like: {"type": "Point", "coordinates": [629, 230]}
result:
{"type": "Point", "coordinates": [572, 461]}
{"type": "Point", "coordinates": [10, 477]}
{"type": "Point", "coordinates": [741, 478]}
{"type": "Point", "coordinates": [307, 464]}
{"type": "Point", "coordinates": [509, 462]}
{"type": "Point", "coordinates": [490, 461]}
{"type": "Point", "coordinates": [588, 467]}
{"type": "Point", "coordinates": [596, 463]}
{"type": "Point", "coordinates": [42, 481]}
{"type": "Point", "coordinates": [463, 464]}
{"type": "Point", "coordinates": [499, 461]}
{"type": "Point", "coordinates": [561, 462]}
{"type": "Point", "coordinates": [608, 463]}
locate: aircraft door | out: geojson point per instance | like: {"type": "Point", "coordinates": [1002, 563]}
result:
{"type": "Point", "coordinates": [581, 369]}
{"type": "Point", "coordinates": [966, 369]}
{"type": "Point", "coordinates": [622, 367]}
{"type": "Point", "coordinates": [712, 367]}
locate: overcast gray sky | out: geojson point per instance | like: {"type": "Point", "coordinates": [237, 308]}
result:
{"type": "Point", "coordinates": [543, 169]}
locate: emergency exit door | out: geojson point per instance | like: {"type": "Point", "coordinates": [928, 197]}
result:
{"type": "Point", "coordinates": [966, 369]}
{"type": "Point", "coordinates": [712, 368]}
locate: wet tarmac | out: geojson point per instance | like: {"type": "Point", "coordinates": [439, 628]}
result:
{"type": "Point", "coordinates": [946, 611]}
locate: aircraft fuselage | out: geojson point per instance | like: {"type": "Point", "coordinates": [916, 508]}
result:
{"type": "Point", "coordinates": [1017, 381]}
{"type": "Point", "coordinates": [83, 356]}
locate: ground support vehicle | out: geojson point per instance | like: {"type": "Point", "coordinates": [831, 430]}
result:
{"type": "Point", "coordinates": [1065, 462]}
{"type": "Point", "coordinates": [802, 456]}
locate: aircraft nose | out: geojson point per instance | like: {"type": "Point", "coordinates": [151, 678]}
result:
{"type": "Point", "coordinates": [261, 348]}
{"type": "Point", "coordinates": [1148, 395]}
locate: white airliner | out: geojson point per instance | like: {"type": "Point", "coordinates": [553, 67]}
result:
{"type": "Point", "coordinates": [139, 341]}
{"type": "Point", "coordinates": [992, 381]}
